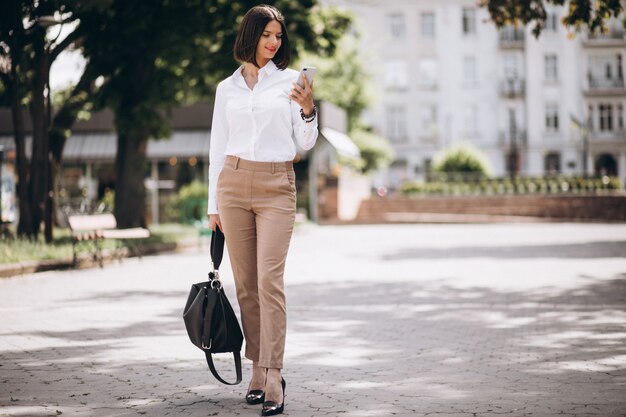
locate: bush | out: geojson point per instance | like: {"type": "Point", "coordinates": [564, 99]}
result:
{"type": "Point", "coordinates": [520, 185]}
{"type": "Point", "coordinates": [461, 160]}
{"type": "Point", "coordinates": [190, 203]}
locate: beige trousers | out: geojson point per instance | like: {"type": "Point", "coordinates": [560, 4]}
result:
{"type": "Point", "coordinates": [257, 207]}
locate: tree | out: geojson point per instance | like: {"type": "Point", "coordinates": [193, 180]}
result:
{"type": "Point", "coordinates": [26, 54]}
{"type": "Point", "coordinates": [151, 58]}
{"type": "Point", "coordinates": [580, 13]}
{"type": "Point", "coordinates": [155, 55]}
{"type": "Point", "coordinates": [342, 79]}
{"type": "Point", "coordinates": [376, 152]}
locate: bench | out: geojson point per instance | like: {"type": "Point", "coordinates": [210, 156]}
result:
{"type": "Point", "coordinates": [89, 230]}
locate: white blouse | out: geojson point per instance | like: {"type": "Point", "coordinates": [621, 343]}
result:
{"type": "Point", "coordinates": [257, 124]}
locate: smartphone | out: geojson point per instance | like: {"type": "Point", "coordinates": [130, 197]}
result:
{"type": "Point", "coordinates": [309, 73]}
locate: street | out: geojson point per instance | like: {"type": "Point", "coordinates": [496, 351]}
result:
{"type": "Point", "coordinates": [384, 320]}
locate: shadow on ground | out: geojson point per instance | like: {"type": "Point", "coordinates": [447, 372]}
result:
{"type": "Point", "coordinates": [354, 349]}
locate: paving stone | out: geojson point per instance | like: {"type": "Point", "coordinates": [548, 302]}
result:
{"type": "Point", "coordinates": [395, 320]}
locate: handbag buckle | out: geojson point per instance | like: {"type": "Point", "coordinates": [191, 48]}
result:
{"type": "Point", "coordinates": [205, 347]}
{"type": "Point", "coordinates": [216, 284]}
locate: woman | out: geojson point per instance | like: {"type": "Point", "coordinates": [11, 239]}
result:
{"type": "Point", "coordinates": [252, 194]}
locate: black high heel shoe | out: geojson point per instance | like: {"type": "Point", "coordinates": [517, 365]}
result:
{"type": "Point", "coordinates": [255, 396]}
{"type": "Point", "coordinates": [271, 408]}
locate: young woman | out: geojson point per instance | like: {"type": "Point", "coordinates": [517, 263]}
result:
{"type": "Point", "coordinates": [252, 195]}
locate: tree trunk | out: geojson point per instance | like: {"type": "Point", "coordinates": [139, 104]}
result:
{"type": "Point", "coordinates": [38, 185]}
{"type": "Point", "coordinates": [24, 226]}
{"type": "Point", "coordinates": [130, 169]}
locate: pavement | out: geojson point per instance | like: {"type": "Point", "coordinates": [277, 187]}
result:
{"type": "Point", "coordinates": [384, 320]}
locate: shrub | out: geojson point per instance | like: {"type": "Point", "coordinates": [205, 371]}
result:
{"type": "Point", "coordinates": [461, 160]}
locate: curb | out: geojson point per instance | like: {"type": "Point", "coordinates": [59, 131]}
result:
{"type": "Point", "coordinates": [84, 262]}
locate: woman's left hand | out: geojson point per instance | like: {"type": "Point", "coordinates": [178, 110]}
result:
{"type": "Point", "coordinates": [303, 96]}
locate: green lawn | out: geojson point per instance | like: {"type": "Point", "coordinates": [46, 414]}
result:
{"type": "Point", "coordinates": [18, 250]}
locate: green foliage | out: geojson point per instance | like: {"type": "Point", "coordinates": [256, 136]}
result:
{"type": "Point", "coordinates": [190, 203]}
{"type": "Point", "coordinates": [376, 152]}
{"type": "Point", "coordinates": [461, 159]}
{"type": "Point", "coordinates": [518, 185]}
{"type": "Point", "coordinates": [108, 200]}
{"type": "Point", "coordinates": [580, 13]}
{"type": "Point", "coordinates": [342, 79]}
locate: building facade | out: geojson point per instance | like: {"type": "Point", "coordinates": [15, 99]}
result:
{"type": "Point", "coordinates": [445, 75]}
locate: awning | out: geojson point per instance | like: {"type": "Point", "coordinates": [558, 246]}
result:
{"type": "Point", "coordinates": [102, 147]}
{"type": "Point", "coordinates": [342, 143]}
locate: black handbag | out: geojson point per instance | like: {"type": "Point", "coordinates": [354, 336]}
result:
{"type": "Point", "coordinates": [209, 318]}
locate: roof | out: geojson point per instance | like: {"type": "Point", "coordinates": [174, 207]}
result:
{"type": "Point", "coordinates": [102, 147]}
{"type": "Point", "coordinates": [195, 117]}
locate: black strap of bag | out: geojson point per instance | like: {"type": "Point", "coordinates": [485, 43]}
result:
{"type": "Point", "coordinates": [217, 253]}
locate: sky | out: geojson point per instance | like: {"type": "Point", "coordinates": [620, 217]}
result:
{"type": "Point", "coordinates": [66, 70]}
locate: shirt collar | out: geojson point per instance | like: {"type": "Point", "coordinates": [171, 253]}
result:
{"type": "Point", "coordinates": [266, 71]}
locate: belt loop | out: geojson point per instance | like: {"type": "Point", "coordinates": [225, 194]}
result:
{"type": "Point", "coordinates": [237, 162]}
{"type": "Point", "coordinates": [272, 167]}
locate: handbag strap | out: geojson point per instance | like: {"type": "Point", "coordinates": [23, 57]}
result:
{"type": "Point", "coordinates": [217, 247]}
{"type": "Point", "coordinates": [237, 356]}
{"type": "Point", "coordinates": [217, 253]}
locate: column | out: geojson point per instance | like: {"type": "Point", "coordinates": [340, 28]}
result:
{"type": "Point", "coordinates": [621, 168]}
{"type": "Point", "coordinates": [89, 182]}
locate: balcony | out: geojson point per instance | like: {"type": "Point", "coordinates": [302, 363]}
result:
{"type": "Point", "coordinates": [512, 137]}
{"type": "Point", "coordinates": [614, 36]}
{"type": "Point", "coordinates": [512, 88]}
{"type": "Point", "coordinates": [615, 137]}
{"type": "Point", "coordinates": [603, 87]}
{"type": "Point", "coordinates": [512, 38]}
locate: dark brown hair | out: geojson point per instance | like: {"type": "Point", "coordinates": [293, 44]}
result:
{"type": "Point", "coordinates": [250, 31]}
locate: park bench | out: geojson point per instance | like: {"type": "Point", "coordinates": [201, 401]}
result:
{"type": "Point", "coordinates": [89, 230]}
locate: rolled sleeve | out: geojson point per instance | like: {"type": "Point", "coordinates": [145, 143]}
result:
{"type": "Point", "coordinates": [305, 133]}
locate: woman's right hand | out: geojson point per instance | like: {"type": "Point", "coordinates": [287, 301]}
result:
{"type": "Point", "coordinates": [214, 219]}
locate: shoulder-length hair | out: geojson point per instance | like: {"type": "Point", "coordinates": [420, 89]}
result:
{"type": "Point", "coordinates": [250, 31]}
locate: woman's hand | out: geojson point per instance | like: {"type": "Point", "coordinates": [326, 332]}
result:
{"type": "Point", "coordinates": [214, 219]}
{"type": "Point", "coordinates": [303, 96]}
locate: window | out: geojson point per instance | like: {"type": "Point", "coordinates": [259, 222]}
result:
{"type": "Point", "coordinates": [428, 116]}
{"type": "Point", "coordinates": [551, 67]}
{"type": "Point", "coordinates": [552, 22]}
{"type": "Point", "coordinates": [395, 25]}
{"type": "Point", "coordinates": [620, 117]}
{"type": "Point", "coordinates": [469, 21]}
{"type": "Point", "coordinates": [552, 118]}
{"type": "Point", "coordinates": [552, 163]}
{"type": "Point", "coordinates": [428, 74]}
{"type": "Point", "coordinates": [396, 123]}
{"type": "Point", "coordinates": [510, 67]}
{"type": "Point", "coordinates": [602, 69]}
{"type": "Point", "coordinates": [396, 75]}
{"type": "Point", "coordinates": [620, 71]}
{"type": "Point", "coordinates": [469, 70]}
{"type": "Point", "coordinates": [605, 114]}
{"type": "Point", "coordinates": [427, 24]}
